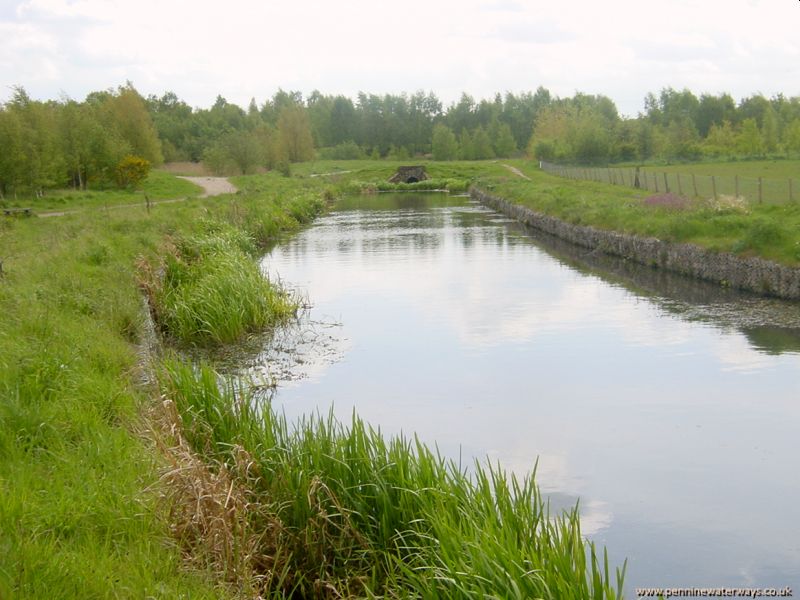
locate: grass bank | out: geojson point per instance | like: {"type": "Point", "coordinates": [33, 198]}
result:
{"type": "Point", "coordinates": [336, 511]}
{"type": "Point", "coordinates": [91, 504]}
{"type": "Point", "coordinates": [766, 231]}
{"type": "Point", "coordinates": [80, 508]}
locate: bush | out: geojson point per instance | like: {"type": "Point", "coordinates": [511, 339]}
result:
{"type": "Point", "coordinates": [131, 171]}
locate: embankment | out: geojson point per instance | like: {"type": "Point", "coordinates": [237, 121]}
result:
{"type": "Point", "coordinates": [747, 273]}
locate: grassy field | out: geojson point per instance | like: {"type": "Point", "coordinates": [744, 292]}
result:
{"type": "Point", "coordinates": [769, 230]}
{"type": "Point", "coordinates": [159, 185]}
{"type": "Point", "coordinates": [774, 169]}
{"type": "Point", "coordinates": [111, 487]}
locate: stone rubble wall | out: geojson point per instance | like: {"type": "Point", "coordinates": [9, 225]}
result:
{"type": "Point", "coordinates": [752, 274]}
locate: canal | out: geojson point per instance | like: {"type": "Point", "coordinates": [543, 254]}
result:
{"type": "Point", "coordinates": [670, 408]}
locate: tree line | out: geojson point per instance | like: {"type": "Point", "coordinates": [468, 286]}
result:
{"type": "Point", "coordinates": [81, 144]}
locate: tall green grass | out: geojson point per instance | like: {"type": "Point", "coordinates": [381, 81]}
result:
{"type": "Point", "coordinates": [209, 291]}
{"type": "Point", "coordinates": [342, 511]}
{"type": "Point", "coordinates": [80, 509]}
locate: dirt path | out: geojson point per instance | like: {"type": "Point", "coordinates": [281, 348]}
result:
{"type": "Point", "coordinates": [213, 186]}
{"type": "Point", "coordinates": [516, 171]}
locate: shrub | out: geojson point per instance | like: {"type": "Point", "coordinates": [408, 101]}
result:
{"type": "Point", "coordinates": [131, 171]}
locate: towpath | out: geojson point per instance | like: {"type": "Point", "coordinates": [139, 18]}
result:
{"type": "Point", "coordinates": [517, 172]}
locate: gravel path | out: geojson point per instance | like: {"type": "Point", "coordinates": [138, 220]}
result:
{"type": "Point", "coordinates": [213, 186]}
{"type": "Point", "coordinates": [516, 171]}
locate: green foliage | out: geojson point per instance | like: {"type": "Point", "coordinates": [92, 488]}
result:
{"type": "Point", "coordinates": [347, 150]}
{"type": "Point", "coordinates": [131, 171]}
{"type": "Point", "coordinates": [213, 293]}
{"type": "Point", "coordinates": [294, 132]}
{"type": "Point", "coordinates": [769, 231]}
{"type": "Point", "coordinates": [81, 508]}
{"type": "Point", "coordinates": [445, 145]}
{"type": "Point", "coordinates": [216, 159]}
{"type": "Point", "coordinates": [749, 142]}
{"type": "Point", "coordinates": [503, 142]}
{"type": "Point", "coordinates": [346, 509]}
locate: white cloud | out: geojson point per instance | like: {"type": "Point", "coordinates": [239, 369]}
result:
{"type": "Point", "coordinates": [242, 49]}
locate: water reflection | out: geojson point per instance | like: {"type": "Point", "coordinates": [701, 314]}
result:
{"type": "Point", "coordinates": [667, 405]}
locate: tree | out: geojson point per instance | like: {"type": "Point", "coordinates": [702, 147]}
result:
{"type": "Point", "coordinates": [503, 141]}
{"type": "Point", "coordinates": [445, 146]}
{"type": "Point", "coordinates": [243, 149]}
{"type": "Point", "coordinates": [791, 136]}
{"type": "Point", "coordinates": [749, 141]}
{"type": "Point", "coordinates": [466, 149]}
{"type": "Point", "coordinates": [481, 144]}
{"type": "Point", "coordinates": [294, 131]}
{"type": "Point", "coordinates": [126, 113]}
{"type": "Point", "coordinates": [721, 140]}
{"type": "Point", "coordinates": [769, 130]}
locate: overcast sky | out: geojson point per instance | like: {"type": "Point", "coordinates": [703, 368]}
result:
{"type": "Point", "coordinates": [243, 49]}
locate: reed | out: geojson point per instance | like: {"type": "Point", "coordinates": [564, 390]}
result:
{"type": "Point", "coordinates": [208, 291]}
{"type": "Point", "coordinates": [339, 511]}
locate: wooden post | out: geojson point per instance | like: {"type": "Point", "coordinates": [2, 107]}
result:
{"type": "Point", "coordinates": [694, 184]}
{"type": "Point", "coordinates": [791, 196]}
{"type": "Point", "coordinates": [736, 183]}
{"type": "Point", "coordinates": [636, 182]}
{"type": "Point", "coordinates": [680, 189]}
{"type": "Point", "coordinates": [610, 176]}
{"type": "Point", "coordinates": [655, 178]}
{"type": "Point", "coordinates": [714, 186]}
{"type": "Point", "coordinates": [666, 183]}
{"type": "Point", "coordinates": [760, 191]}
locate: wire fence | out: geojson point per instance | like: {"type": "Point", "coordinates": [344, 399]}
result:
{"type": "Point", "coordinates": [690, 185]}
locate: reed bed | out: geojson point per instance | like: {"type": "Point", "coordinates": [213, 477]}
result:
{"type": "Point", "coordinates": [335, 511]}
{"type": "Point", "coordinates": [208, 290]}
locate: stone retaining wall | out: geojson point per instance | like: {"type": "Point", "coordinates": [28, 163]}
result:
{"type": "Point", "coordinates": [753, 274]}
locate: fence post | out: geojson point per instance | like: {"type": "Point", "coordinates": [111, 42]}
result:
{"type": "Point", "coordinates": [714, 186]}
{"type": "Point", "coordinates": [680, 188]}
{"type": "Point", "coordinates": [791, 196]}
{"type": "Point", "coordinates": [666, 183]}
{"type": "Point", "coordinates": [636, 183]}
{"type": "Point", "coordinates": [655, 178]}
{"type": "Point", "coordinates": [760, 191]}
{"type": "Point", "coordinates": [736, 181]}
{"type": "Point", "coordinates": [694, 184]}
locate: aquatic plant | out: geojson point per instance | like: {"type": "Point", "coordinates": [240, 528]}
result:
{"type": "Point", "coordinates": [335, 511]}
{"type": "Point", "coordinates": [207, 291]}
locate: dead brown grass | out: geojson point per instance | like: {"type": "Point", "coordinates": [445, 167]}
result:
{"type": "Point", "coordinates": [211, 513]}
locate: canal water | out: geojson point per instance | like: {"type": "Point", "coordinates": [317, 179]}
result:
{"type": "Point", "coordinates": [669, 407]}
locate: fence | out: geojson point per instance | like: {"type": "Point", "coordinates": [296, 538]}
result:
{"type": "Point", "coordinates": [754, 190]}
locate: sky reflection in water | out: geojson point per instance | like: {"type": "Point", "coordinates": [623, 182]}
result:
{"type": "Point", "coordinates": [668, 406]}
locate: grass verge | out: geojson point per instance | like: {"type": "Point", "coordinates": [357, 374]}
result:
{"type": "Point", "coordinates": [767, 231]}
{"type": "Point", "coordinates": [80, 514]}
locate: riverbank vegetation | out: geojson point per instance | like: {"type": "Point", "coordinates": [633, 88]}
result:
{"type": "Point", "coordinates": [767, 231]}
{"type": "Point", "coordinates": [336, 511]}
{"type": "Point", "coordinates": [111, 486]}
{"type": "Point", "coordinates": [80, 514]}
